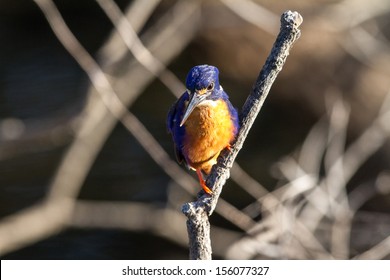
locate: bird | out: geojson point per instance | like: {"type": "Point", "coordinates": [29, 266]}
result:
{"type": "Point", "coordinates": [202, 122]}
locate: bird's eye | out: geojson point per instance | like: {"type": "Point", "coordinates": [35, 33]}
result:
{"type": "Point", "coordinates": [210, 86]}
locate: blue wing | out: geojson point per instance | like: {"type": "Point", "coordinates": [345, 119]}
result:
{"type": "Point", "coordinates": [175, 115]}
{"type": "Point", "coordinates": [234, 117]}
{"type": "Point", "coordinates": [233, 113]}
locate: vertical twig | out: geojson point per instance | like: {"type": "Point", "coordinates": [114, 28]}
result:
{"type": "Point", "coordinates": [197, 212]}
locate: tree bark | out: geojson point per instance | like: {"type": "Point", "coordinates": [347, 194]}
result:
{"type": "Point", "coordinates": [197, 212]}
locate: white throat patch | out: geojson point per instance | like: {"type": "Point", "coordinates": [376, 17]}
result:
{"type": "Point", "coordinates": [208, 103]}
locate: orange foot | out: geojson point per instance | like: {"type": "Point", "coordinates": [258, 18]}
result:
{"type": "Point", "coordinates": [202, 182]}
{"type": "Point", "coordinates": [229, 147]}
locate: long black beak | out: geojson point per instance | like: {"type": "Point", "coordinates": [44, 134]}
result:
{"type": "Point", "coordinates": [195, 100]}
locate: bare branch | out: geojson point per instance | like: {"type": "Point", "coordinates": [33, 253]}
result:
{"type": "Point", "coordinates": [134, 216]}
{"type": "Point", "coordinates": [197, 212]}
{"type": "Point", "coordinates": [97, 121]}
{"type": "Point", "coordinates": [34, 223]}
{"type": "Point", "coordinates": [377, 252]}
{"type": "Point", "coordinates": [144, 217]}
{"type": "Point", "coordinates": [337, 20]}
{"type": "Point", "coordinates": [137, 14]}
{"type": "Point", "coordinates": [255, 14]}
{"type": "Point", "coordinates": [140, 52]}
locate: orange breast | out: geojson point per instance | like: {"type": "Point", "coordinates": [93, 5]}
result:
{"type": "Point", "coordinates": [209, 130]}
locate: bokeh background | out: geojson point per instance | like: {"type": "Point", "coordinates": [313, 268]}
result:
{"type": "Point", "coordinates": [82, 178]}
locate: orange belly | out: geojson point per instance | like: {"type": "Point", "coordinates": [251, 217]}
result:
{"type": "Point", "coordinates": [209, 130]}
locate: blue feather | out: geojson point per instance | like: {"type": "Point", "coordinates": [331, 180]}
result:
{"type": "Point", "coordinates": [203, 82]}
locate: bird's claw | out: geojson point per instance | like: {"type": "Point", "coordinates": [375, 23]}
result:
{"type": "Point", "coordinates": [203, 183]}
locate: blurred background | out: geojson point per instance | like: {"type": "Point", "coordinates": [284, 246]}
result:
{"type": "Point", "coordinates": [83, 178]}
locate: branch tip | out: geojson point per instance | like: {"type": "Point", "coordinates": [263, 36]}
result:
{"type": "Point", "coordinates": [292, 19]}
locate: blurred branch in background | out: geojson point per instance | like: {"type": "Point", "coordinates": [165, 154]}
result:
{"type": "Point", "coordinates": [318, 206]}
{"type": "Point", "coordinates": [255, 14]}
{"type": "Point", "coordinates": [71, 174]}
{"type": "Point", "coordinates": [315, 203]}
{"type": "Point", "coordinates": [97, 122]}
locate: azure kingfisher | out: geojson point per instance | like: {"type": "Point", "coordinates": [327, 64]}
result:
{"type": "Point", "coordinates": [202, 122]}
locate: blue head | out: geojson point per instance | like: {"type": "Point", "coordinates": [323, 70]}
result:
{"type": "Point", "coordinates": [202, 84]}
{"type": "Point", "coordinates": [201, 77]}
